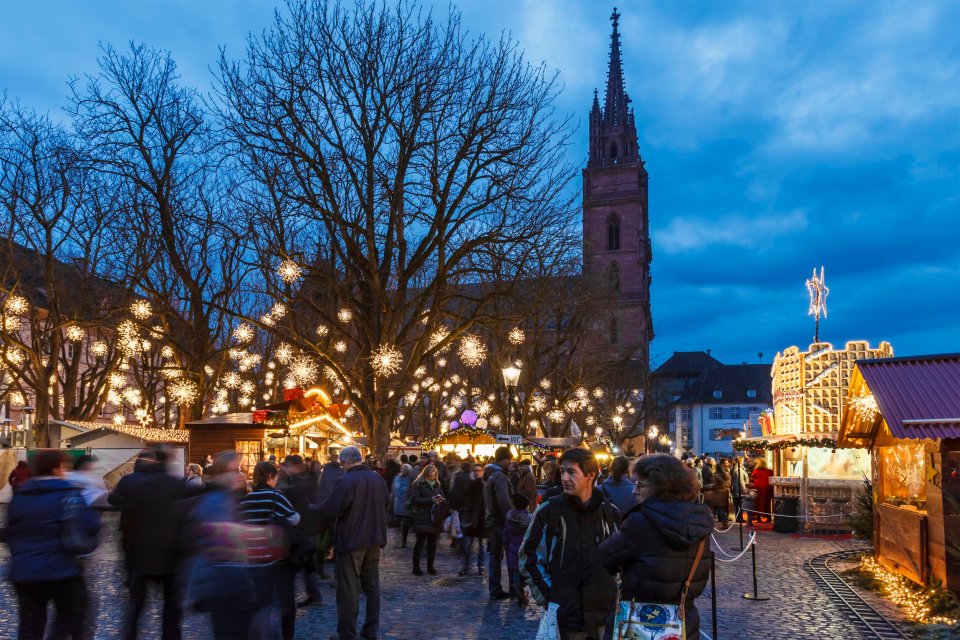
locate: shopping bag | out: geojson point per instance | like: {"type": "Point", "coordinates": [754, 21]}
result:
{"type": "Point", "coordinates": [452, 525]}
{"type": "Point", "coordinates": [548, 629]}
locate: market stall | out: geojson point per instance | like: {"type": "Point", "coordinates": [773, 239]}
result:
{"type": "Point", "coordinates": [906, 411]}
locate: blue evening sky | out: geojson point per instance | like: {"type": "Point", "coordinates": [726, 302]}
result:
{"type": "Point", "coordinates": [778, 135]}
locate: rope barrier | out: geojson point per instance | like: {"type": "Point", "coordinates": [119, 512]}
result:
{"type": "Point", "coordinates": [750, 542]}
{"type": "Point", "coordinates": [781, 515]}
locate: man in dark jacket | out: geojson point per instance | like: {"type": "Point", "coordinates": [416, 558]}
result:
{"type": "Point", "coordinates": [150, 524]}
{"type": "Point", "coordinates": [559, 558]}
{"type": "Point", "coordinates": [40, 568]}
{"type": "Point", "coordinates": [496, 500]}
{"type": "Point", "coordinates": [358, 505]}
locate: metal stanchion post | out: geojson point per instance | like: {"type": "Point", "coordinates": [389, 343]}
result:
{"type": "Point", "coordinates": [713, 592]}
{"type": "Point", "coordinates": [753, 558]}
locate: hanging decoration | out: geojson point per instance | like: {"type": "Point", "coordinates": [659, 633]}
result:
{"type": "Point", "coordinates": [763, 445]}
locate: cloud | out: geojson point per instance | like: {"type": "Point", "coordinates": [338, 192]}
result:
{"type": "Point", "coordinates": [686, 234]}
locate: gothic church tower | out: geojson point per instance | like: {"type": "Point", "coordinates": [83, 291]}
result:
{"type": "Point", "coordinates": [616, 232]}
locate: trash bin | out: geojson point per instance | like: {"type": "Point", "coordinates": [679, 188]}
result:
{"type": "Point", "coordinates": [785, 511]}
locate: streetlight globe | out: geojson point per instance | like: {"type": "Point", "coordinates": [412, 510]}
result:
{"type": "Point", "coordinates": [511, 376]}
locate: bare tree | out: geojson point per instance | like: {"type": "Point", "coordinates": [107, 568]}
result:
{"type": "Point", "coordinates": [150, 134]}
{"type": "Point", "coordinates": [403, 167]}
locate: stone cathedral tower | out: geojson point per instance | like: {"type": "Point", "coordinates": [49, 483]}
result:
{"type": "Point", "coordinates": [616, 232]}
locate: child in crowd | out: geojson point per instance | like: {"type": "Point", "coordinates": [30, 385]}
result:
{"type": "Point", "coordinates": [517, 521]}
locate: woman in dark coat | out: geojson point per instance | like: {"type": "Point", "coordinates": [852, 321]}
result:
{"type": "Point", "coordinates": [426, 491]}
{"type": "Point", "coordinates": [717, 494]}
{"type": "Point", "coordinates": [658, 541]}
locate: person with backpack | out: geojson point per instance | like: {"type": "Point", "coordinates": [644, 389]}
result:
{"type": "Point", "coordinates": [427, 498]}
{"type": "Point", "coordinates": [560, 559]}
{"type": "Point", "coordinates": [49, 526]}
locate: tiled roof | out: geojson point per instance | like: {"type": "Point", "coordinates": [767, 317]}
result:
{"type": "Point", "coordinates": [733, 381]}
{"type": "Point", "coordinates": [689, 363]}
{"type": "Point", "coordinates": [919, 397]}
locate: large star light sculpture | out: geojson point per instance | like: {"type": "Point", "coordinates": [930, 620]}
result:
{"type": "Point", "coordinates": [818, 290]}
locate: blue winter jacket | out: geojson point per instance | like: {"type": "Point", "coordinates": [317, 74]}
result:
{"type": "Point", "coordinates": [619, 493]}
{"type": "Point", "coordinates": [33, 531]}
{"type": "Point", "coordinates": [401, 484]}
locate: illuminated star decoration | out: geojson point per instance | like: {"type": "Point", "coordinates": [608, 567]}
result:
{"type": "Point", "coordinates": [817, 288]}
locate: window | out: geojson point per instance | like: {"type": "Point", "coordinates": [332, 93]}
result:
{"type": "Point", "coordinates": [613, 276]}
{"type": "Point", "coordinates": [686, 414]}
{"type": "Point", "coordinates": [724, 434]}
{"type": "Point", "coordinates": [716, 413]}
{"type": "Point", "coordinates": [717, 393]}
{"type": "Point", "coordinates": [70, 351]}
{"type": "Point", "coordinates": [250, 454]}
{"type": "Point", "coordinates": [686, 435]}
{"type": "Point", "coordinates": [733, 412]}
{"type": "Point", "coordinates": [751, 392]}
{"type": "Point", "coordinates": [613, 232]}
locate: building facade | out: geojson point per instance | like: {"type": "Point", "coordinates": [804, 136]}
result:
{"type": "Point", "coordinates": [616, 233]}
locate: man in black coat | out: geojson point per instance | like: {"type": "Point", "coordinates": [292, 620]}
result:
{"type": "Point", "coordinates": [358, 506]}
{"type": "Point", "coordinates": [150, 524]}
{"type": "Point", "coordinates": [559, 557]}
{"type": "Point", "coordinates": [496, 501]}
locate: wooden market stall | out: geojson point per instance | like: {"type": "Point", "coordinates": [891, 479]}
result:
{"type": "Point", "coordinates": [236, 431]}
{"type": "Point", "coordinates": [906, 411]}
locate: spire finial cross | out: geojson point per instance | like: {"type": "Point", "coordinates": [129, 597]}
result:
{"type": "Point", "coordinates": [615, 17]}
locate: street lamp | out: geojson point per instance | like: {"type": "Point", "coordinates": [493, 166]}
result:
{"type": "Point", "coordinates": [511, 376]}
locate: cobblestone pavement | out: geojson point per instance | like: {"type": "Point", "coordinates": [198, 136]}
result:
{"type": "Point", "coordinates": [449, 607]}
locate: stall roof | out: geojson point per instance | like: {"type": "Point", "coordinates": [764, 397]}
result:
{"type": "Point", "coordinates": [919, 397]}
{"type": "Point", "coordinates": [556, 443]}
{"type": "Point", "coordinates": [147, 434]}
{"type": "Point", "coordinates": [230, 419]}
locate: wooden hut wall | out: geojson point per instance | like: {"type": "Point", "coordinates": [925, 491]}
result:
{"type": "Point", "coordinates": [211, 439]}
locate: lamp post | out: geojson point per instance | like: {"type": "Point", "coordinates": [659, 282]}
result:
{"type": "Point", "coordinates": [26, 423]}
{"type": "Point", "coordinates": [511, 376]}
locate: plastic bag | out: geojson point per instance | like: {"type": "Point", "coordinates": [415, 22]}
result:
{"type": "Point", "coordinates": [452, 525]}
{"type": "Point", "coordinates": [548, 629]}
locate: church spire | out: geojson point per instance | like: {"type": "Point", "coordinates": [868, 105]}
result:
{"type": "Point", "coordinates": [615, 106]}
{"type": "Point", "coordinates": [613, 134]}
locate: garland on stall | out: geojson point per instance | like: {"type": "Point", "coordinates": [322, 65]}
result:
{"type": "Point", "coordinates": [470, 431]}
{"type": "Point", "coordinates": [763, 445]}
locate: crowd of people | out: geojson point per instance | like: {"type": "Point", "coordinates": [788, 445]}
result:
{"type": "Point", "coordinates": [234, 547]}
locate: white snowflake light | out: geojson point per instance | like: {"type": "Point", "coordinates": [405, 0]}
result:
{"type": "Point", "coordinates": [132, 396]}
{"type": "Point", "coordinates": [865, 406]}
{"type": "Point", "coordinates": [171, 373]}
{"type": "Point", "coordinates": [117, 380]}
{"type": "Point", "coordinates": [248, 388]}
{"type": "Point", "coordinates": [284, 353]}
{"type": "Point", "coordinates": [16, 399]}
{"type": "Point", "coordinates": [141, 309]}
{"type": "Point", "coordinates": [167, 352]}
{"type": "Point", "coordinates": [344, 315]}
{"type": "Point", "coordinates": [386, 360]}
{"type": "Point", "coordinates": [340, 346]}
{"type": "Point", "coordinates": [556, 415]}
{"type": "Point", "coordinates": [598, 393]}
{"type": "Point", "coordinates": [113, 397]}
{"type": "Point", "coordinates": [249, 361]}
{"type": "Point", "coordinates": [322, 330]}
{"type": "Point", "coordinates": [118, 419]}
{"type": "Point", "coordinates": [266, 320]}
{"type": "Point", "coordinates": [304, 370]}
{"type": "Point", "coordinates": [243, 333]}
{"type": "Point", "coordinates": [545, 384]}
{"type": "Point", "coordinates": [11, 324]}
{"type": "Point", "coordinates": [441, 362]}
{"type": "Point", "coordinates": [16, 305]}
{"type": "Point", "coordinates": [538, 404]}
{"type": "Point", "coordinates": [99, 349]}
{"type": "Point", "coordinates": [278, 311]}
{"type": "Point", "coordinates": [231, 380]}
{"type": "Point", "coordinates": [236, 354]}
{"type": "Point", "coordinates": [289, 271]}
{"type": "Point", "coordinates": [496, 420]}
{"type": "Point", "coordinates": [483, 408]}
{"type": "Point", "coordinates": [591, 420]}
{"type": "Point", "coordinates": [472, 351]}
{"type": "Point", "coordinates": [127, 331]}
{"type": "Point", "coordinates": [438, 337]}
{"type": "Point", "coordinates": [183, 391]}
{"type": "Point", "coordinates": [516, 336]}
{"type": "Point", "coordinates": [75, 333]}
